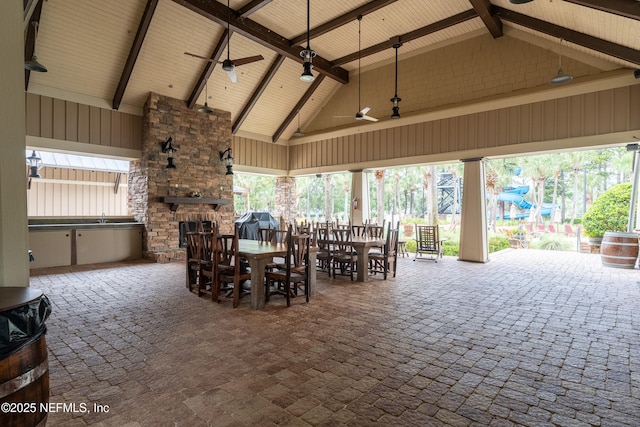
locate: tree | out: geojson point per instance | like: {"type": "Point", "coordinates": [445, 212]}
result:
{"type": "Point", "coordinates": [379, 173]}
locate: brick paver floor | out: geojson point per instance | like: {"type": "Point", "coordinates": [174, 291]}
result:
{"type": "Point", "coordinates": [531, 338]}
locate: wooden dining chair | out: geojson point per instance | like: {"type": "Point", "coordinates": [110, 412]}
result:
{"type": "Point", "coordinates": [324, 256]}
{"type": "Point", "coordinates": [193, 257]}
{"type": "Point", "coordinates": [343, 258]}
{"type": "Point", "coordinates": [385, 262]}
{"type": "Point", "coordinates": [227, 273]}
{"type": "Point", "coordinates": [295, 274]}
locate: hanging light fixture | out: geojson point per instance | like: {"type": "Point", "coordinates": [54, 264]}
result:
{"type": "Point", "coordinates": [225, 156]}
{"type": "Point", "coordinates": [395, 100]}
{"type": "Point", "coordinates": [33, 64]}
{"type": "Point", "coordinates": [561, 77]}
{"type": "Point", "coordinates": [298, 132]}
{"type": "Point", "coordinates": [35, 164]}
{"type": "Point", "coordinates": [307, 53]}
{"type": "Point", "coordinates": [206, 108]}
{"type": "Point", "coordinates": [520, 1]}
{"type": "Point", "coordinates": [167, 147]}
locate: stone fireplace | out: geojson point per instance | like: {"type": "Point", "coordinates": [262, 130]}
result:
{"type": "Point", "coordinates": [198, 139]}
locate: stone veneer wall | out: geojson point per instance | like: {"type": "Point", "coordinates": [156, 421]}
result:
{"type": "Point", "coordinates": [198, 138]}
{"type": "Point", "coordinates": [286, 199]}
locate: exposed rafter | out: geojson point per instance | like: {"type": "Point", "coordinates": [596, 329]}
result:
{"type": "Point", "coordinates": [30, 41]}
{"type": "Point", "coordinates": [257, 93]}
{"type": "Point", "coordinates": [251, 7]}
{"type": "Point", "coordinates": [412, 35]}
{"type": "Point", "coordinates": [585, 40]}
{"type": "Point", "coordinates": [208, 68]}
{"type": "Point", "coordinates": [218, 13]}
{"type": "Point", "coordinates": [342, 20]}
{"type": "Point", "coordinates": [484, 11]}
{"type": "Point", "coordinates": [133, 53]}
{"type": "Point", "coordinates": [626, 8]}
{"type": "Point", "coordinates": [315, 85]}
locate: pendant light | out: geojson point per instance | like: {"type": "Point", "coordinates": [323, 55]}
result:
{"type": "Point", "coordinates": [206, 108]}
{"type": "Point", "coordinates": [395, 100]}
{"type": "Point", "coordinates": [298, 132]}
{"type": "Point", "coordinates": [561, 77]}
{"type": "Point", "coordinates": [33, 64]}
{"type": "Point", "coordinates": [307, 53]}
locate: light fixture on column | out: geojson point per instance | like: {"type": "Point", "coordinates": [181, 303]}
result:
{"type": "Point", "coordinates": [206, 108]}
{"type": "Point", "coordinates": [33, 64]}
{"type": "Point", "coordinates": [35, 164]}
{"type": "Point", "coordinates": [561, 77]}
{"type": "Point", "coordinates": [395, 100]}
{"type": "Point", "coordinates": [308, 54]}
{"type": "Point", "coordinates": [298, 132]}
{"type": "Point", "coordinates": [167, 147]}
{"type": "Point", "coordinates": [225, 156]}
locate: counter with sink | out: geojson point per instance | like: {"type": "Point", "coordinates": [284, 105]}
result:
{"type": "Point", "coordinates": [77, 241]}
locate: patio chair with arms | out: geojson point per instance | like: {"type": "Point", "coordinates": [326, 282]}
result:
{"type": "Point", "coordinates": [428, 241]}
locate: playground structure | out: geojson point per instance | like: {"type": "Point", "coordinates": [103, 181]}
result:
{"type": "Point", "coordinates": [514, 195]}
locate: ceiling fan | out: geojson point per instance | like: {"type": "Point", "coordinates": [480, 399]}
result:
{"type": "Point", "coordinates": [362, 113]}
{"type": "Point", "coordinates": [228, 64]}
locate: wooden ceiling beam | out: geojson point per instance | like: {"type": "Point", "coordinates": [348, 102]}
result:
{"type": "Point", "coordinates": [251, 7]}
{"type": "Point", "coordinates": [134, 52]}
{"type": "Point", "coordinates": [626, 8]}
{"type": "Point", "coordinates": [412, 35]}
{"type": "Point", "coordinates": [257, 93]}
{"type": "Point", "coordinates": [307, 95]}
{"type": "Point", "coordinates": [219, 13]}
{"type": "Point", "coordinates": [484, 10]}
{"type": "Point", "coordinates": [341, 20]}
{"type": "Point", "coordinates": [585, 40]}
{"type": "Point", "coordinates": [208, 69]}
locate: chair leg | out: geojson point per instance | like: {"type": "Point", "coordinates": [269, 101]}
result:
{"type": "Point", "coordinates": [236, 293]}
{"type": "Point", "coordinates": [287, 290]}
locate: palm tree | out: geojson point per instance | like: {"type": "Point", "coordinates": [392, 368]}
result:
{"type": "Point", "coordinates": [379, 174]}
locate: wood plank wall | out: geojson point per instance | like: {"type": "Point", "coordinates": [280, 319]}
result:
{"type": "Point", "coordinates": [74, 192]}
{"type": "Point", "coordinates": [497, 131]}
{"type": "Point", "coordinates": [69, 121]}
{"type": "Point", "coordinates": [260, 154]}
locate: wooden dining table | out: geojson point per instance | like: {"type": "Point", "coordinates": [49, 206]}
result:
{"type": "Point", "coordinates": [259, 255]}
{"type": "Point", "coordinates": [362, 245]}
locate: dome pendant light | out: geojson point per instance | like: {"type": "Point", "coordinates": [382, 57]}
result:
{"type": "Point", "coordinates": [206, 108]}
{"type": "Point", "coordinates": [561, 77]}
{"type": "Point", "coordinates": [307, 53]}
{"type": "Point", "coordinates": [395, 100]}
{"type": "Point", "coordinates": [298, 132]}
{"type": "Point", "coordinates": [33, 64]}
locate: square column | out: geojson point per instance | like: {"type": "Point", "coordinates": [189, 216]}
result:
{"type": "Point", "coordinates": [473, 228]}
{"type": "Point", "coordinates": [359, 212]}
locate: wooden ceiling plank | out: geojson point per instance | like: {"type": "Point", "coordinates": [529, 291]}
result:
{"type": "Point", "coordinates": [208, 68]}
{"type": "Point", "coordinates": [251, 7]}
{"type": "Point", "coordinates": [30, 41]}
{"type": "Point", "coordinates": [134, 52]}
{"type": "Point", "coordinates": [257, 93]}
{"type": "Point", "coordinates": [412, 35]}
{"type": "Point", "coordinates": [484, 11]}
{"type": "Point", "coordinates": [218, 13]}
{"type": "Point", "coordinates": [307, 95]}
{"type": "Point", "coordinates": [626, 8]}
{"type": "Point", "coordinates": [585, 40]}
{"type": "Point", "coordinates": [342, 20]}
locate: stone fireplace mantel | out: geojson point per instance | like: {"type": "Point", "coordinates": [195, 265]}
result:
{"type": "Point", "coordinates": [176, 201]}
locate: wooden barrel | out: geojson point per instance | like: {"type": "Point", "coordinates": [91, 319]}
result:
{"type": "Point", "coordinates": [619, 250]}
{"type": "Point", "coordinates": [24, 374]}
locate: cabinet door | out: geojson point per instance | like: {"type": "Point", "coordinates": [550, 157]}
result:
{"type": "Point", "coordinates": [50, 248]}
{"type": "Point", "coordinates": [108, 245]}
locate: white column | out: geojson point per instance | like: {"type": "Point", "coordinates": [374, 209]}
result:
{"type": "Point", "coordinates": [473, 228]}
{"type": "Point", "coordinates": [14, 237]}
{"type": "Point", "coordinates": [359, 197]}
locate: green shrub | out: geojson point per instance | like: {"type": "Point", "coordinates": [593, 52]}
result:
{"type": "Point", "coordinates": [498, 243]}
{"type": "Point", "coordinates": [411, 246]}
{"type": "Point", "coordinates": [550, 242]}
{"type": "Point", "coordinates": [450, 248]}
{"type": "Point", "coordinates": [609, 212]}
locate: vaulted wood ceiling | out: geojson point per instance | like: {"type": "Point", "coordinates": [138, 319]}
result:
{"type": "Point", "coordinates": [112, 53]}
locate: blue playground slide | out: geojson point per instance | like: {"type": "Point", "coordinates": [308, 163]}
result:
{"type": "Point", "coordinates": [514, 195]}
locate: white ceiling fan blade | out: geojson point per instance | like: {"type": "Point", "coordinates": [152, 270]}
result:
{"type": "Point", "coordinates": [365, 110]}
{"type": "Point", "coordinates": [232, 75]}
{"type": "Point", "coordinates": [371, 119]}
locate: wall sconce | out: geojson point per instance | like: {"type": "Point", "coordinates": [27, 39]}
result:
{"type": "Point", "coordinates": [167, 147]}
{"type": "Point", "coordinates": [35, 164]}
{"type": "Point", "coordinates": [225, 156]}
